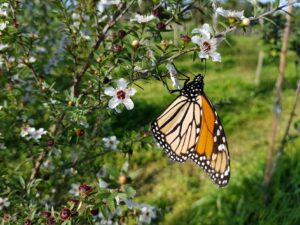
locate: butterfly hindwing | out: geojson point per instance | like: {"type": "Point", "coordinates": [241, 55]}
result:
{"type": "Point", "coordinates": [211, 151]}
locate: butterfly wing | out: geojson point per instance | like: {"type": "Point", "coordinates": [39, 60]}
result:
{"type": "Point", "coordinates": [211, 151]}
{"type": "Point", "coordinates": [177, 128]}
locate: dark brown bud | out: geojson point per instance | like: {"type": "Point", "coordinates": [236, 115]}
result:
{"type": "Point", "coordinates": [46, 214]}
{"type": "Point", "coordinates": [185, 39]}
{"type": "Point", "coordinates": [79, 132]}
{"type": "Point", "coordinates": [50, 143]}
{"type": "Point", "coordinates": [27, 222]}
{"type": "Point", "coordinates": [85, 189]}
{"type": "Point", "coordinates": [122, 34]}
{"type": "Point", "coordinates": [161, 26]}
{"type": "Point", "coordinates": [116, 48]}
{"type": "Point", "coordinates": [65, 214]}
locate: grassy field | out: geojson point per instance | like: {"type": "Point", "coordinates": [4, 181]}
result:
{"type": "Point", "coordinates": [184, 192]}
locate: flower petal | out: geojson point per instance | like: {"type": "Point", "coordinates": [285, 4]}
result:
{"type": "Point", "coordinates": [122, 83]}
{"type": "Point", "coordinates": [113, 103]}
{"type": "Point", "coordinates": [203, 55]}
{"type": "Point", "coordinates": [131, 91]}
{"type": "Point", "coordinates": [196, 40]}
{"type": "Point", "coordinates": [216, 57]}
{"type": "Point", "coordinates": [128, 103]}
{"type": "Point", "coordinates": [110, 91]}
{"type": "Point", "coordinates": [196, 31]}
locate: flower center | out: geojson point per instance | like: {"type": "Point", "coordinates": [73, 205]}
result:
{"type": "Point", "coordinates": [206, 46]}
{"type": "Point", "coordinates": [121, 94]}
{"type": "Point", "coordinates": [111, 142]}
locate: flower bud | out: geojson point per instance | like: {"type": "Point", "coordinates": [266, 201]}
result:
{"type": "Point", "coordinates": [72, 202]}
{"type": "Point", "coordinates": [116, 48]}
{"type": "Point", "coordinates": [122, 179]}
{"type": "Point", "coordinates": [166, 43]}
{"type": "Point", "coordinates": [95, 212]}
{"type": "Point", "coordinates": [79, 132]}
{"type": "Point", "coordinates": [135, 44]}
{"type": "Point", "coordinates": [122, 34]}
{"type": "Point", "coordinates": [161, 26]}
{"type": "Point", "coordinates": [27, 222]}
{"type": "Point", "coordinates": [46, 214]}
{"type": "Point", "coordinates": [71, 103]}
{"type": "Point", "coordinates": [50, 142]}
{"type": "Point", "coordinates": [246, 22]}
{"type": "Point", "coordinates": [85, 189]}
{"type": "Point", "coordinates": [155, 12]}
{"type": "Point", "coordinates": [65, 214]}
{"type": "Point", "coordinates": [185, 39]}
{"type": "Point", "coordinates": [51, 221]}
{"type": "Point", "coordinates": [6, 217]}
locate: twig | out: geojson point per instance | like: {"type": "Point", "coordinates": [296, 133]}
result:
{"type": "Point", "coordinates": [289, 4]}
{"type": "Point", "coordinates": [100, 38]}
{"type": "Point", "coordinates": [35, 170]}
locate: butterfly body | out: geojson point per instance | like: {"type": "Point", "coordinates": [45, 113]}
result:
{"type": "Point", "coordinates": [190, 128]}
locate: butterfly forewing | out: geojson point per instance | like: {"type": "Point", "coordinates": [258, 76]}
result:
{"type": "Point", "coordinates": [176, 128]}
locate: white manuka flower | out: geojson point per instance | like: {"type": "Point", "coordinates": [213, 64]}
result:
{"type": "Point", "coordinates": [205, 31]}
{"type": "Point", "coordinates": [142, 19]}
{"type": "Point", "coordinates": [32, 133]}
{"type": "Point", "coordinates": [105, 3]}
{"type": "Point", "coordinates": [111, 142]}
{"type": "Point", "coordinates": [173, 75]}
{"type": "Point", "coordinates": [207, 44]}
{"type": "Point", "coordinates": [3, 10]}
{"type": "Point", "coordinates": [148, 213]}
{"type": "Point", "coordinates": [36, 134]}
{"type": "Point", "coordinates": [120, 95]}
{"type": "Point", "coordinates": [30, 60]}
{"type": "Point", "coordinates": [3, 25]}
{"type": "Point", "coordinates": [3, 46]}
{"type": "Point", "coordinates": [230, 14]}
{"type": "Point", "coordinates": [24, 131]}
{"type": "Point", "coordinates": [4, 203]}
{"type": "Point", "coordinates": [74, 189]}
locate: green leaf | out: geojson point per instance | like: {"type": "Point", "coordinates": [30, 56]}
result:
{"type": "Point", "coordinates": [111, 204]}
{"type": "Point", "coordinates": [130, 191]}
{"type": "Point", "coordinates": [67, 222]}
{"type": "Point", "coordinates": [22, 182]}
{"type": "Point", "coordinates": [104, 211]}
{"type": "Point", "coordinates": [194, 56]}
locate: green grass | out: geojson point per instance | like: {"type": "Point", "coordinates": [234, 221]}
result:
{"type": "Point", "coordinates": [183, 191]}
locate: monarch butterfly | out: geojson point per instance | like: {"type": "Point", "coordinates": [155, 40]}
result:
{"type": "Point", "coordinates": [191, 128]}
